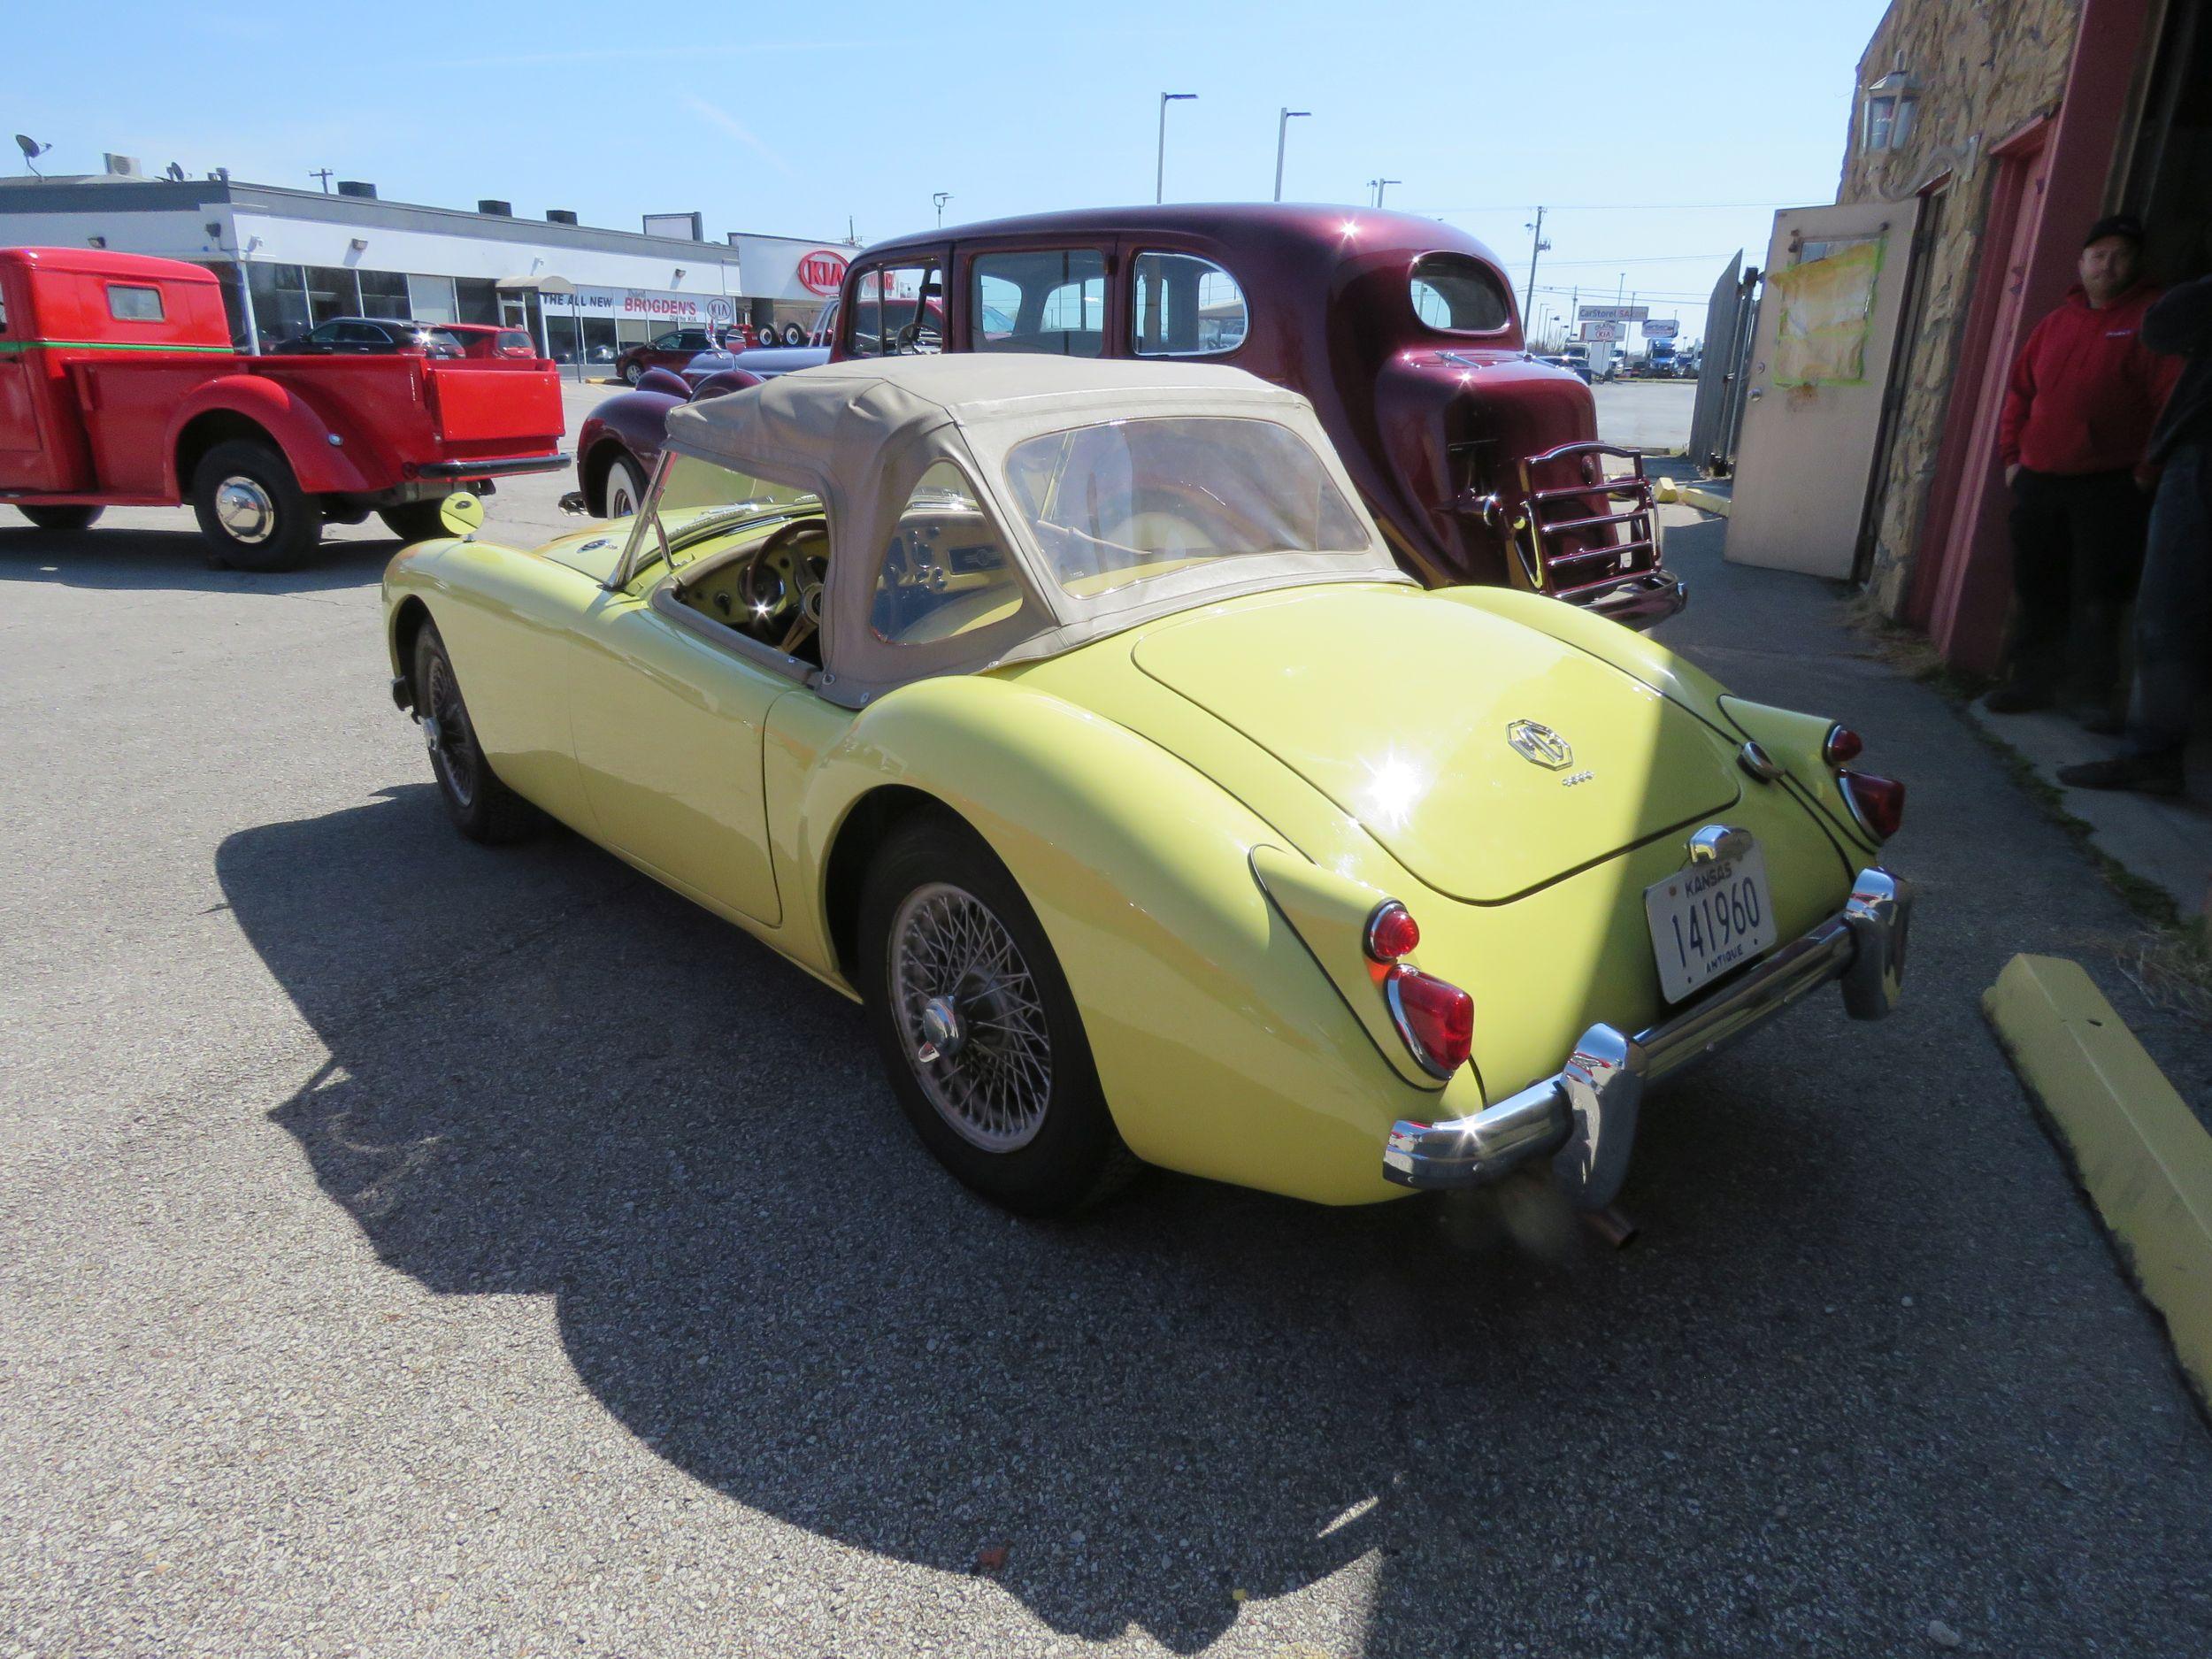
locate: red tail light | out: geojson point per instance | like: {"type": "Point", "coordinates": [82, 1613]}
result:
{"type": "Point", "coordinates": [1843, 746]}
{"type": "Point", "coordinates": [1436, 1018]}
{"type": "Point", "coordinates": [1391, 932]}
{"type": "Point", "coordinates": [1878, 802]}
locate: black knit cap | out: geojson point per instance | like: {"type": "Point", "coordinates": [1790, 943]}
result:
{"type": "Point", "coordinates": [2115, 225]}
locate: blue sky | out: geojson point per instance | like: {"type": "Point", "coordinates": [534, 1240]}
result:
{"type": "Point", "coordinates": [1628, 118]}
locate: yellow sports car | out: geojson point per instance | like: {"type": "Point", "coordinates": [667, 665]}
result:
{"type": "Point", "coordinates": [1073, 717]}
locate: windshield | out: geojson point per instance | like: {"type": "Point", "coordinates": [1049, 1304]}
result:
{"type": "Point", "coordinates": [699, 505]}
{"type": "Point", "coordinates": [1115, 503]}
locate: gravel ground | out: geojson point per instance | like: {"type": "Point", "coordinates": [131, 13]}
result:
{"type": "Point", "coordinates": [412, 1249]}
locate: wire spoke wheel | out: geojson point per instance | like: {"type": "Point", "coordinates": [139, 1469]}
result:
{"type": "Point", "coordinates": [451, 741]}
{"type": "Point", "coordinates": [970, 1018]}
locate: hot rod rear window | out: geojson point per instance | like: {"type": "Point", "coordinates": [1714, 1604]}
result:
{"type": "Point", "coordinates": [1455, 292]}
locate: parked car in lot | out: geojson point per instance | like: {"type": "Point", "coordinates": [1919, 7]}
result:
{"type": "Point", "coordinates": [1578, 367]}
{"type": "Point", "coordinates": [1480, 464]}
{"type": "Point", "coordinates": [671, 350]}
{"type": "Point", "coordinates": [359, 336]}
{"type": "Point", "coordinates": [118, 386]}
{"type": "Point", "coordinates": [485, 342]}
{"type": "Point", "coordinates": [1075, 718]}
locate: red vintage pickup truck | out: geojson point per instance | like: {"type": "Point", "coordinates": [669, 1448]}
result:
{"type": "Point", "coordinates": [118, 386]}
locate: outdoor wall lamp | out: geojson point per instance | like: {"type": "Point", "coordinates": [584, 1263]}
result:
{"type": "Point", "coordinates": [359, 244]}
{"type": "Point", "coordinates": [1886, 119]}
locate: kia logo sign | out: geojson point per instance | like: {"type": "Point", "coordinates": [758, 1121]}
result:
{"type": "Point", "coordinates": [822, 272]}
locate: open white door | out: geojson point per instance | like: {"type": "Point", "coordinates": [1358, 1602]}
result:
{"type": "Point", "coordinates": [1819, 365]}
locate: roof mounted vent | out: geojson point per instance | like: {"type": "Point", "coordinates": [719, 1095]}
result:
{"type": "Point", "coordinates": [498, 209]}
{"type": "Point", "coordinates": [560, 215]}
{"type": "Point", "coordinates": [359, 187]}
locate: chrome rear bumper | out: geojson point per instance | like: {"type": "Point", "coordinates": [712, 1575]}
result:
{"type": "Point", "coordinates": [1583, 1119]}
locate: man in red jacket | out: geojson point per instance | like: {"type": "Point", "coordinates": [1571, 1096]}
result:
{"type": "Point", "coordinates": [2077, 416]}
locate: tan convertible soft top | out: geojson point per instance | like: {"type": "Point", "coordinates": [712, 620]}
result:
{"type": "Point", "coordinates": [861, 433]}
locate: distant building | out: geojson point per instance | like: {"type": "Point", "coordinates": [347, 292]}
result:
{"type": "Point", "coordinates": [293, 258]}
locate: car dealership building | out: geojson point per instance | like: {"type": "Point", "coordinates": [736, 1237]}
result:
{"type": "Point", "coordinates": [290, 259]}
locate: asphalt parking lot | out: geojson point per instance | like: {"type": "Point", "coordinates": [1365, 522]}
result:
{"type": "Point", "coordinates": [410, 1248]}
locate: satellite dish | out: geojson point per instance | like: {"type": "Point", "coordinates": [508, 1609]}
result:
{"type": "Point", "coordinates": [32, 150]}
{"type": "Point", "coordinates": [175, 172]}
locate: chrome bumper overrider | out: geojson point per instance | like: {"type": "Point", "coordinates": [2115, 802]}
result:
{"type": "Point", "coordinates": [1583, 1119]}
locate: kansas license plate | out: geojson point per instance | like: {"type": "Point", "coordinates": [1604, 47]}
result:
{"type": "Point", "coordinates": [1707, 918]}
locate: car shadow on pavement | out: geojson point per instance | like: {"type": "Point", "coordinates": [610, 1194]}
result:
{"type": "Point", "coordinates": [548, 1077]}
{"type": "Point", "coordinates": [177, 560]}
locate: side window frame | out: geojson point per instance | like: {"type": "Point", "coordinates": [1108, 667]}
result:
{"type": "Point", "coordinates": [1135, 294]}
{"type": "Point", "coordinates": [161, 308]}
{"type": "Point", "coordinates": [930, 262]}
{"type": "Point", "coordinates": [1014, 582]}
{"type": "Point", "coordinates": [1106, 276]}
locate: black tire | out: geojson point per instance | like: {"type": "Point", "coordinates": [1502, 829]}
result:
{"type": "Point", "coordinates": [276, 525]}
{"type": "Point", "coordinates": [632, 372]}
{"type": "Point", "coordinates": [482, 807]}
{"type": "Point", "coordinates": [793, 335]}
{"type": "Point", "coordinates": [62, 517]}
{"type": "Point", "coordinates": [1055, 1155]}
{"type": "Point", "coordinates": [415, 520]}
{"type": "Point", "coordinates": [624, 483]}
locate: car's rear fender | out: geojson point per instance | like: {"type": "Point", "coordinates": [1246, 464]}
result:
{"type": "Point", "coordinates": [1224, 1049]}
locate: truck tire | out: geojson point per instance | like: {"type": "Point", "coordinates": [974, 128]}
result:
{"type": "Point", "coordinates": [252, 509]}
{"type": "Point", "coordinates": [61, 518]}
{"type": "Point", "coordinates": [415, 520]}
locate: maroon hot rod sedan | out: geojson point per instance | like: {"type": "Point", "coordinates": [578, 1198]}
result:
{"type": "Point", "coordinates": [1480, 463]}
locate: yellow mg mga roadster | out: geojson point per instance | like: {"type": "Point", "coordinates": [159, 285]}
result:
{"type": "Point", "coordinates": [1073, 717]}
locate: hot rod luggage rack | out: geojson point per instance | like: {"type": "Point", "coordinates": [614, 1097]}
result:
{"type": "Point", "coordinates": [1552, 568]}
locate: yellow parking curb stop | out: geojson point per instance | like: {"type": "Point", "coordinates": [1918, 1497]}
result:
{"type": "Point", "coordinates": [2139, 1151]}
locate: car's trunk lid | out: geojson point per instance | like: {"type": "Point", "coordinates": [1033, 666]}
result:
{"type": "Point", "coordinates": [1486, 757]}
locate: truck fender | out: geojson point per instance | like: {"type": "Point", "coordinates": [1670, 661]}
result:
{"type": "Point", "coordinates": [1224, 1051]}
{"type": "Point", "coordinates": [324, 460]}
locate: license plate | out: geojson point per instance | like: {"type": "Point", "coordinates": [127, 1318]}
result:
{"type": "Point", "coordinates": [1707, 918]}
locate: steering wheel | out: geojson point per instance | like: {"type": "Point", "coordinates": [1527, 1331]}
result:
{"type": "Point", "coordinates": [782, 580]}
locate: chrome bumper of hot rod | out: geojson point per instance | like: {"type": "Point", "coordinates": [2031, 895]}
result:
{"type": "Point", "coordinates": [1584, 1117]}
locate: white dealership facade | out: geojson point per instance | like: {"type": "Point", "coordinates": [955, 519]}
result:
{"type": "Point", "coordinates": [293, 258]}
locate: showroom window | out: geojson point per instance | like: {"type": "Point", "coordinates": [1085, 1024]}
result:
{"type": "Point", "coordinates": [384, 294]}
{"type": "Point", "coordinates": [1184, 306]}
{"type": "Point", "coordinates": [279, 302]}
{"type": "Point", "coordinates": [1047, 300]}
{"type": "Point", "coordinates": [331, 293]}
{"type": "Point", "coordinates": [430, 299]}
{"type": "Point", "coordinates": [478, 300]}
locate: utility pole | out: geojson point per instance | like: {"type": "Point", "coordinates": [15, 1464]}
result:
{"type": "Point", "coordinates": [1282, 126]}
{"type": "Point", "coordinates": [1159, 175]}
{"type": "Point", "coordinates": [1537, 248]}
{"type": "Point", "coordinates": [323, 174]}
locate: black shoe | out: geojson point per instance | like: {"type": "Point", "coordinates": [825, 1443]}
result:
{"type": "Point", "coordinates": [2017, 698]}
{"type": "Point", "coordinates": [2146, 774]}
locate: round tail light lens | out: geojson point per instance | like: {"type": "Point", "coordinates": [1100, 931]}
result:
{"type": "Point", "coordinates": [1843, 746]}
{"type": "Point", "coordinates": [1391, 932]}
{"type": "Point", "coordinates": [1878, 802]}
{"type": "Point", "coordinates": [1436, 1019]}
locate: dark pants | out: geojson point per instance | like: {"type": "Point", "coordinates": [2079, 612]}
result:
{"type": "Point", "coordinates": [2173, 614]}
{"type": "Point", "coordinates": [2077, 551]}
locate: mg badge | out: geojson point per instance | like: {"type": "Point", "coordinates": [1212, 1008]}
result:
{"type": "Point", "coordinates": [1540, 744]}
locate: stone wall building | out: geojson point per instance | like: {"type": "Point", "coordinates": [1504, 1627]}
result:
{"type": "Point", "coordinates": [1980, 72]}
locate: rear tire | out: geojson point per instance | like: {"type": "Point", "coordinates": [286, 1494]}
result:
{"type": "Point", "coordinates": [252, 509]}
{"type": "Point", "coordinates": [482, 807]}
{"type": "Point", "coordinates": [62, 517]}
{"type": "Point", "coordinates": [632, 373]}
{"type": "Point", "coordinates": [415, 520]}
{"type": "Point", "coordinates": [625, 487]}
{"type": "Point", "coordinates": [953, 958]}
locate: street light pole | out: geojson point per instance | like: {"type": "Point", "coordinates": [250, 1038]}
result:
{"type": "Point", "coordinates": [1381, 185]}
{"type": "Point", "coordinates": [1159, 175]}
{"type": "Point", "coordinates": [1537, 248]}
{"type": "Point", "coordinates": [941, 197]}
{"type": "Point", "coordinates": [1282, 126]}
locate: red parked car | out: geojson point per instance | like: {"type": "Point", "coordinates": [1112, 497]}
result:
{"type": "Point", "coordinates": [1481, 463]}
{"type": "Point", "coordinates": [484, 342]}
{"type": "Point", "coordinates": [119, 388]}
{"type": "Point", "coordinates": [671, 350]}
